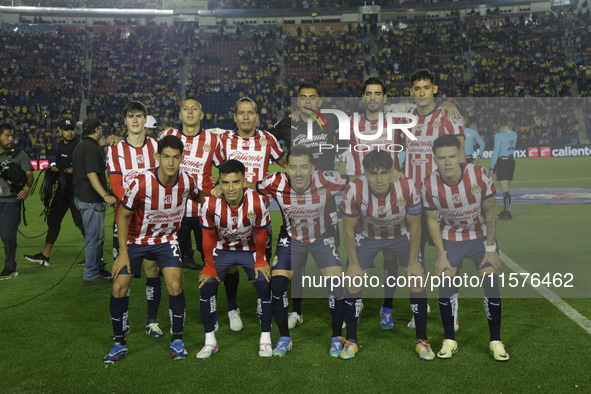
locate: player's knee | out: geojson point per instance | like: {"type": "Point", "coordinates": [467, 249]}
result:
{"type": "Point", "coordinates": [120, 289]}
{"type": "Point", "coordinates": [209, 289]}
{"type": "Point", "coordinates": [490, 284]}
{"type": "Point", "coordinates": [263, 289]}
{"type": "Point", "coordinates": [447, 290]}
{"type": "Point", "coordinates": [174, 288]}
{"type": "Point", "coordinates": [279, 284]}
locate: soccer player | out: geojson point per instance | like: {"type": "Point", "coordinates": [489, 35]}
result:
{"type": "Point", "coordinates": [254, 148]}
{"type": "Point", "coordinates": [303, 193]}
{"type": "Point", "coordinates": [64, 195]}
{"type": "Point", "coordinates": [432, 123]}
{"type": "Point", "coordinates": [234, 233]}
{"type": "Point", "coordinates": [379, 214]}
{"type": "Point", "coordinates": [464, 196]}
{"type": "Point", "coordinates": [150, 214]}
{"type": "Point", "coordinates": [125, 161]}
{"type": "Point", "coordinates": [503, 164]}
{"type": "Point", "coordinates": [472, 136]}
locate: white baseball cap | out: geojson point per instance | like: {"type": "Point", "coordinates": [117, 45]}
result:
{"type": "Point", "coordinates": [151, 123]}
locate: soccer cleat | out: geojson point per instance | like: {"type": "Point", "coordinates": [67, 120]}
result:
{"type": "Point", "coordinates": [125, 332]}
{"type": "Point", "coordinates": [177, 349]}
{"type": "Point", "coordinates": [283, 346]}
{"type": "Point", "coordinates": [387, 323]}
{"type": "Point", "coordinates": [294, 319]}
{"type": "Point", "coordinates": [235, 321]}
{"type": "Point", "coordinates": [117, 353]}
{"type": "Point", "coordinates": [349, 350]}
{"type": "Point", "coordinates": [38, 258]}
{"type": "Point", "coordinates": [153, 330]}
{"type": "Point", "coordinates": [265, 350]}
{"type": "Point", "coordinates": [207, 351]}
{"type": "Point", "coordinates": [423, 348]}
{"type": "Point", "coordinates": [505, 215]}
{"type": "Point", "coordinates": [497, 349]}
{"type": "Point", "coordinates": [6, 274]}
{"type": "Point", "coordinates": [336, 346]}
{"type": "Point", "coordinates": [448, 349]}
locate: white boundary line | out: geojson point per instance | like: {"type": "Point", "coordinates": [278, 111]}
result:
{"type": "Point", "coordinates": [551, 180]}
{"type": "Point", "coordinates": [565, 308]}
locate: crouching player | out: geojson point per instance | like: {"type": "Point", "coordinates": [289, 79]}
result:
{"type": "Point", "coordinates": [379, 214]}
{"type": "Point", "coordinates": [304, 195]}
{"type": "Point", "coordinates": [234, 233]}
{"type": "Point", "coordinates": [148, 220]}
{"type": "Point", "coordinates": [464, 195]}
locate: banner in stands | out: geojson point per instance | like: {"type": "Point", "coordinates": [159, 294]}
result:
{"type": "Point", "coordinates": [25, 28]}
{"type": "Point", "coordinates": [185, 7]}
{"type": "Point", "coordinates": [500, 19]}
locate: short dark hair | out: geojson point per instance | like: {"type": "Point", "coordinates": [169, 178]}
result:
{"type": "Point", "coordinates": [504, 121]}
{"type": "Point", "coordinates": [422, 75]}
{"type": "Point", "coordinates": [133, 107]}
{"type": "Point", "coordinates": [171, 141]}
{"type": "Point", "coordinates": [308, 85]}
{"type": "Point", "coordinates": [242, 100]}
{"type": "Point", "coordinates": [373, 81]}
{"type": "Point", "coordinates": [300, 150]}
{"type": "Point", "coordinates": [377, 160]}
{"type": "Point", "coordinates": [194, 99]}
{"type": "Point", "coordinates": [446, 140]}
{"type": "Point", "coordinates": [230, 167]}
{"type": "Point", "coordinates": [5, 126]}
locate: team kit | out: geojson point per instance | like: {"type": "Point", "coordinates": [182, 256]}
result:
{"type": "Point", "coordinates": [392, 204]}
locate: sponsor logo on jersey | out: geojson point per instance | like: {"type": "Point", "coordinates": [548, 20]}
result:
{"type": "Point", "coordinates": [168, 199]}
{"type": "Point", "coordinates": [457, 198]}
{"type": "Point", "coordinates": [188, 146]}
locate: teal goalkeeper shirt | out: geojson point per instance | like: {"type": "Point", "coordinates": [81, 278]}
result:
{"type": "Point", "coordinates": [471, 135]}
{"type": "Point", "coordinates": [505, 141]}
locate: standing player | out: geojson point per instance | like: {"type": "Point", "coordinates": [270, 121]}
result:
{"type": "Point", "coordinates": [125, 161]}
{"type": "Point", "coordinates": [150, 214]}
{"type": "Point", "coordinates": [254, 148]}
{"type": "Point", "coordinates": [64, 192]}
{"type": "Point", "coordinates": [379, 214]}
{"type": "Point", "coordinates": [503, 164]}
{"type": "Point", "coordinates": [234, 233]}
{"type": "Point", "coordinates": [464, 196]}
{"type": "Point", "coordinates": [303, 193]}
{"type": "Point", "coordinates": [471, 137]}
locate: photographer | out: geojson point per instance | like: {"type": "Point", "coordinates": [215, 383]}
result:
{"type": "Point", "coordinates": [16, 178]}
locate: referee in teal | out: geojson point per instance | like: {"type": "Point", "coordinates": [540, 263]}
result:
{"type": "Point", "coordinates": [503, 164]}
{"type": "Point", "coordinates": [472, 136]}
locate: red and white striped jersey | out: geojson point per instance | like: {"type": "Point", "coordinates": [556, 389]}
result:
{"type": "Point", "coordinates": [129, 161]}
{"type": "Point", "coordinates": [254, 152]}
{"type": "Point", "coordinates": [459, 204]}
{"type": "Point", "coordinates": [235, 225]}
{"type": "Point", "coordinates": [306, 215]}
{"type": "Point", "coordinates": [381, 217]}
{"type": "Point", "coordinates": [157, 209]}
{"type": "Point", "coordinates": [419, 156]}
{"type": "Point", "coordinates": [201, 152]}
{"type": "Point", "coordinates": [359, 148]}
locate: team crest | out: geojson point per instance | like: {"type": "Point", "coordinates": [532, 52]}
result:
{"type": "Point", "coordinates": [475, 189]}
{"type": "Point", "coordinates": [250, 215]}
{"type": "Point", "coordinates": [275, 259]}
{"type": "Point", "coordinates": [437, 123]}
{"type": "Point", "coordinates": [168, 199]}
{"type": "Point", "coordinates": [206, 147]}
{"type": "Point", "coordinates": [321, 191]}
{"type": "Point", "coordinates": [188, 147]}
{"type": "Point", "coordinates": [457, 199]}
{"type": "Point", "coordinates": [401, 202]}
{"type": "Point", "coordinates": [185, 192]}
{"type": "Point", "coordinates": [263, 141]}
{"type": "Point", "coordinates": [140, 159]}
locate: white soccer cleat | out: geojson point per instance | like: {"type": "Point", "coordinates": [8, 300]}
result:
{"type": "Point", "coordinates": [294, 319]}
{"type": "Point", "coordinates": [497, 349]}
{"type": "Point", "coordinates": [449, 348]}
{"type": "Point", "coordinates": [235, 321]}
{"type": "Point", "coordinates": [265, 350]}
{"type": "Point", "coordinates": [207, 351]}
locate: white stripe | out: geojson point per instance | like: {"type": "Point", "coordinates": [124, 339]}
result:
{"type": "Point", "coordinates": [558, 302]}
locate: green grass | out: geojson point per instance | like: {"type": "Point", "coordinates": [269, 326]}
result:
{"type": "Point", "coordinates": [55, 342]}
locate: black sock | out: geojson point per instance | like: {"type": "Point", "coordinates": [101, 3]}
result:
{"type": "Point", "coordinates": [176, 309]}
{"type": "Point", "coordinates": [418, 304]}
{"type": "Point", "coordinates": [507, 201]}
{"type": "Point", "coordinates": [153, 295]}
{"type": "Point", "coordinates": [263, 289]}
{"type": "Point", "coordinates": [336, 304]}
{"type": "Point", "coordinates": [390, 270]}
{"type": "Point", "coordinates": [493, 305]}
{"type": "Point", "coordinates": [352, 310]}
{"type": "Point", "coordinates": [208, 304]}
{"type": "Point", "coordinates": [231, 282]}
{"type": "Point", "coordinates": [119, 312]}
{"type": "Point", "coordinates": [446, 300]}
{"type": "Point", "coordinates": [279, 303]}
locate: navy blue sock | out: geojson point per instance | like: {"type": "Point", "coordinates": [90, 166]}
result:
{"type": "Point", "coordinates": [119, 312]}
{"type": "Point", "coordinates": [279, 303]}
{"type": "Point", "coordinates": [352, 311]}
{"type": "Point", "coordinates": [493, 305]}
{"type": "Point", "coordinates": [336, 304]}
{"type": "Point", "coordinates": [153, 295]}
{"type": "Point", "coordinates": [390, 270]}
{"type": "Point", "coordinates": [446, 302]}
{"type": "Point", "coordinates": [418, 304]}
{"type": "Point", "coordinates": [176, 309]}
{"type": "Point", "coordinates": [263, 289]}
{"type": "Point", "coordinates": [231, 282]}
{"type": "Point", "coordinates": [208, 304]}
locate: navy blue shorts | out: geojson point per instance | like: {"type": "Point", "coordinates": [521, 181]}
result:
{"type": "Point", "coordinates": [456, 251]}
{"type": "Point", "coordinates": [167, 254]}
{"type": "Point", "coordinates": [368, 249]}
{"type": "Point", "coordinates": [323, 250]}
{"type": "Point", "coordinates": [224, 259]}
